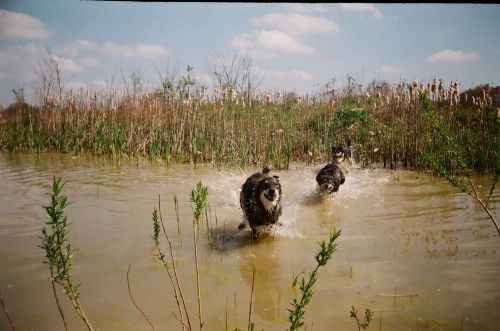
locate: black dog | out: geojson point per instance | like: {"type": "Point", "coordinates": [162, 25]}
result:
{"type": "Point", "coordinates": [331, 176]}
{"type": "Point", "coordinates": [260, 199]}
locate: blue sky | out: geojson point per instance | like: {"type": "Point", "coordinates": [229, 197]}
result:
{"type": "Point", "coordinates": [295, 47]}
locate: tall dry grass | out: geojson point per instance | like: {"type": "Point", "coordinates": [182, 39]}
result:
{"type": "Point", "coordinates": [184, 124]}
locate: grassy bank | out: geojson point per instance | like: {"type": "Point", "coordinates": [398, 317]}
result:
{"type": "Point", "coordinates": [385, 124]}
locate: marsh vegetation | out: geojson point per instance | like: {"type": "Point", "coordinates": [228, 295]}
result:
{"type": "Point", "coordinates": [186, 133]}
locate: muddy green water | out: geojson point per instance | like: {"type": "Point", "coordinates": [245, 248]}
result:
{"type": "Point", "coordinates": [419, 253]}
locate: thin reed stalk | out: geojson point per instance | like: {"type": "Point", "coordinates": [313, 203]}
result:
{"type": "Point", "coordinates": [57, 299]}
{"type": "Point", "coordinates": [135, 304]}
{"type": "Point", "coordinates": [58, 252]}
{"type": "Point", "coordinates": [296, 315]}
{"type": "Point", "coordinates": [11, 322]}
{"type": "Point", "coordinates": [161, 257]}
{"type": "Point", "coordinates": [199, 199]}
{"type": "Point", "coordinates": [174, 267]}
{"type": "Point", "coordinates": [251, 295]}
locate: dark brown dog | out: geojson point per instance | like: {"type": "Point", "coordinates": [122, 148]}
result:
{"type": "Point", "coordinates": [260, 199]}
{"type": "Point", "coordinates": [331, 176]}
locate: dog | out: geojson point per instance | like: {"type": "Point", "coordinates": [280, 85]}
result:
{"type": "Point", "coordinates": [260, 199]}
{"type": "Point", "coordinates": [331, 176]}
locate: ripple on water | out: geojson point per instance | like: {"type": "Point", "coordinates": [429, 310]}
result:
{"type": "Point", "coordinates": [395, 226]}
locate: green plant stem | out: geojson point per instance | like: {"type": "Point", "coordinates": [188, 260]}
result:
{"type": "Point", "coordinates": [199, 199]}
{"type": "Point", "coordinates": [296, 315]}
{"type": "Point", "coordinates": [251, 295]}
{"type": "Point", "coordinates": [161, 257]}
{"type": "Point", "coordinates": [174, 267]}
{"type": "Point", "coordinates": [58, 251]}
{"type": "Point", "coordinates": [195, 241]}
{"type": "Point", "coordinates": [476, 196]}
{"type": "Point", "coordinates": [57, 299]}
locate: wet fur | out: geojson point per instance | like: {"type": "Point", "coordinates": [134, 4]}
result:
{"type": "Point", "coordinates": [331, 176]}
{"type": "Point", "coordinates": [259, 211]}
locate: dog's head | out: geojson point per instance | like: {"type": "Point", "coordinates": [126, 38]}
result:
{"type": "Point", "coordinates": [342, 153]}
{"type": "Point", "coordinates": [269, 190]}
{"type": "Point", "coordinates": [328, 188]}
{"type": "Point", "coordinates": [267, 169]}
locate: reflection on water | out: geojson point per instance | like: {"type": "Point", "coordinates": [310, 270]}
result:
{"type": "Point", "coordinates": [420, 254]}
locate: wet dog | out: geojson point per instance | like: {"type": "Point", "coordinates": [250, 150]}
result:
{"type": "Point", "coordinates": [260, 199]}
{"type": "Point", "coordinates": [331, 176]}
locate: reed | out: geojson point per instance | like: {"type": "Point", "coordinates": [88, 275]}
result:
{"type": "Point", "coordinates": [449, 161]}
{"type": "Point", "coordinates": [141, 311]}
{"type": "Point", "coordinates": [162, 257]}
{"type": "Point", "coordinates": [6, 312]}
{"type": "Point", "coordinates": [58, 251]}
{"type": "Point", "coordinates": [367, 318]}
{"type": "Point", "coordinates": [183, 124]}
{"type": "Point", "coordinates": [179, 297]}
{"type": "Point", "coordinates": [199, 199]}
{"type": "Point", "coordinates": [296, 314]}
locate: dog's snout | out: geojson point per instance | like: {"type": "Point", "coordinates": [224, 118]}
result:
{"type": "Point", "coordinates": [272, 191]}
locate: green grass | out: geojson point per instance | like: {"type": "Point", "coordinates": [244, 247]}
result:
{"type": "Point", "coordinates": [232, 132]}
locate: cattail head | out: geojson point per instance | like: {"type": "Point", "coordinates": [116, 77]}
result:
{"type": "Point", "coordinates": [414, 85]}
{"type": "Point", "coordinates": [434, 86]}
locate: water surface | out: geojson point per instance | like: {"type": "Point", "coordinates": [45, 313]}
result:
{"type": "Point", "coordinates": [415, 250]}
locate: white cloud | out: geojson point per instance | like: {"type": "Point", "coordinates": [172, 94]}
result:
{"type": "Point", "coordinates": [75, 66]}
{"type": "Point", "coordinates": [296, 23]}
{"type": "Point", "coordinates": [307, 7]}
{"type": "Point", "coordinates": [74, 48]}
{"type": "Point", "coordinates": [15, 25]}
{"type": "Point", "coordinates": [134, 51]}
{"type": "Point", "coordinates": [387, 69]}
{"type": "Point", "coordinates": [453, 56]}
{"type": "Point", "coordinates": [284, 76]}
{"type": "Point", "coordinates": [244, 45]}
{"type": "Point", "coordinates": [269, 44]}
{"type": "Point", "coordinates": [24, 62]}
{"type": "Point", "coordinates": [279, 41]}
{"type": "Point", "coordinates": [362, 7]}
{"type": "Point", "coordinates": [20, 62]}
